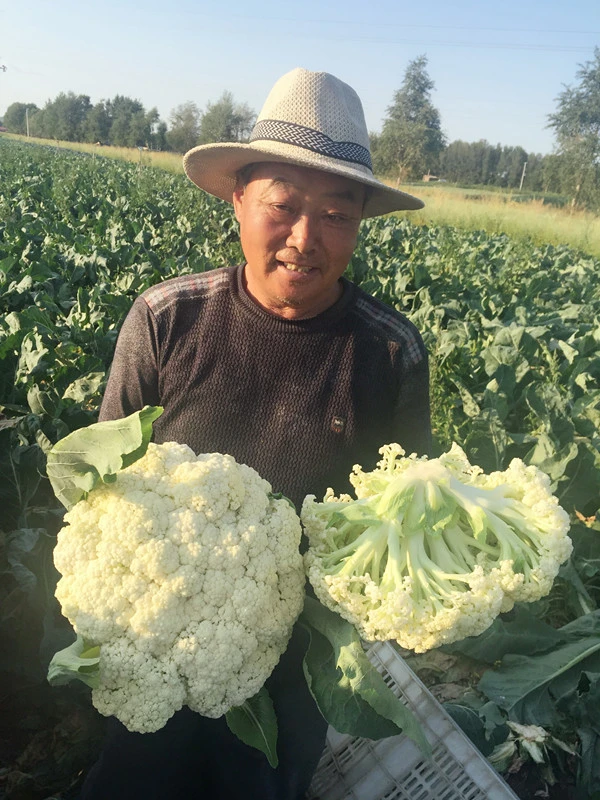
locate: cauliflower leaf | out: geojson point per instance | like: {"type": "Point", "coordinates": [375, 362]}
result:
{"type": "Point", "coordinates": [78, 661]}
{"type": "Point", "coordinates": [96, 453]}
{"type": "Point", "coordinates": [255, 723]}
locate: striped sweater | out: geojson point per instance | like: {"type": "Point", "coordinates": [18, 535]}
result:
{"type": "Point", "coordinates": [301, 401]}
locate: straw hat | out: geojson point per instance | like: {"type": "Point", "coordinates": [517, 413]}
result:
{"type": "Point", "coordinates": [310, 119]}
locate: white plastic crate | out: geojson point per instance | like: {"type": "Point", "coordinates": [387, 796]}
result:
{"type": "Point", "coordinates": [394, 768]}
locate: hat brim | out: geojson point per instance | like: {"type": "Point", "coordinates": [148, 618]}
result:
{"type": "Point", "coordinates": [214, 167]}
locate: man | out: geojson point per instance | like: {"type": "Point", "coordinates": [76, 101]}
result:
{"type": "Point", "coordinates": [287, 366]}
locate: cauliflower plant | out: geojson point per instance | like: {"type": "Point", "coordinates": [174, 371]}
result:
{"type": "Point", "coordinates": [431, 551]}
{"type": "Point", "coordinates": [186, 571]}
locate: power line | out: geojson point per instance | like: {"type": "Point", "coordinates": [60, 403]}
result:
{"type": "Point", "coordinates": [403, 25]}
{"type": "Point", "coordinates": [541, 48]}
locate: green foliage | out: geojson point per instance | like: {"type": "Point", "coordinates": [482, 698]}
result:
{"type": "Point", "coordinates": [512, 330]}
{"type": "Point", "coordinates": [349, 691]}
{"type": "Point", "coordinates": [512, 335]}
{"type": "Point", "coordinates": [551, 678]}
{"type": "Point", "coordinates": [255, 723]}
{"type": "Point", "coordinates": [412, 139]}
{"type": "Point", "coordinates": [83, 458]}
{"type": "Point", "coordinates": [480, 163]}
{"type": "Point", "coordinates": [124, 122]}
{"type": "Point", "coordinates": [80, 237]}
{"type": "Point", "coordinates": [185, 127]}
{"type": "Point", "coordinates": [225, 121]}
{"type": "Point", "coordinates": [576, 123]}
{"type": "Point", "coordinates": [15, 117]}
{"type": "Point", "coordinates": [72, 118]}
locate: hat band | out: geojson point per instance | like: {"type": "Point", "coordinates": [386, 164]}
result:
{"type": "Point", "coordinates": [275, 130]}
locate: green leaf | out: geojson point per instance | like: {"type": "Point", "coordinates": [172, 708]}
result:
{"type": "Point", "coordinates": [96, 453]}
{"type": "Point", "coordinates": [470, 406]}
{"type": "Point", "coordinates": [582, 705]}
{"type": "Point", "coordinates": [487, 440]}
{"type": "Point", "coordinates": [40, 402]}
{"type": "Point", "coordinates": [471, 724]}
{"type": "Point", "coordinates": [349, 691]}
{"type": "Point", "coordinates": [80, 661]}
{"type": "Point", "coordinates": [255, 724]}
{"type": "Point", "coordinates": [589, 771]}
{"type": "Point", "coordinates": [550, 457]}
{"type": "Point", "coordinates": [344, 710]}
{"type": "Point", "coordinates": [85, 387]}
{"type": "Point", "coordinates": [528, 687]}
{"type": "Point", "coordinates": [19, 546]}
{"type": "Point", "coordinates": [517, 632]}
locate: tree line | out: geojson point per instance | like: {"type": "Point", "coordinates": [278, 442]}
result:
{"type": "Point", "coordinates": [124, 122]}
{"type": "Point", "coordinates": [411, 144]}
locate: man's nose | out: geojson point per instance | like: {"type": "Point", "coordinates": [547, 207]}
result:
{"type": "Point", "coordinates": [303, 234]}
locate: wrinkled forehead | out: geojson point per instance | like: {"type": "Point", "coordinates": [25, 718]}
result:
{"type": "Point", "coordinates": [304, 179]}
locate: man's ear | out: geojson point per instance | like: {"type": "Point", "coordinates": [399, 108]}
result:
{"type": "Point", "coordinates": [238, 195]}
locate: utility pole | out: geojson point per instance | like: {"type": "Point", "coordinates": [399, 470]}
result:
{"type": "Point", "coordinates": [523, 176]}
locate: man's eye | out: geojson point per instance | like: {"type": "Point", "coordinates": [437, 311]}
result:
{"type": "Point", "coordinates": [282, 208]}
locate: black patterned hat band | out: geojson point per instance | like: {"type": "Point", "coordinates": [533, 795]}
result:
{"type": "Point", "coordinates": [276, 130]}
{"type": "Point", "coordinates": [309, 119]}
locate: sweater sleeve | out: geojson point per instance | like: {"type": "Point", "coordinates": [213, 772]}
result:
{"type": "Point", "coordinates": [412, 418]}
{"type": "Point", "coordinates": [133, 377]}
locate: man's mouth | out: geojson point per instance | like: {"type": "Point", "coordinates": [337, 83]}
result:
{"type": "Point", "coordinates": [296, 267]}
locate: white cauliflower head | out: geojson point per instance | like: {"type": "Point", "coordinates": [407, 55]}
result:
{"type": "Point", "coordinates": [187, 572]}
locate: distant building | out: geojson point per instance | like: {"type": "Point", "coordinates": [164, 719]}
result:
{"type": "Point", "coordinates": [3, 129]}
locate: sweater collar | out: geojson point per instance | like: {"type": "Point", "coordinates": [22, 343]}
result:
{"type": "Point", "coordinates": [325, 320]}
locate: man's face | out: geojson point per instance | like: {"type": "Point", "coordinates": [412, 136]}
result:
{"type": "Point", "coordinates": [298, 230]}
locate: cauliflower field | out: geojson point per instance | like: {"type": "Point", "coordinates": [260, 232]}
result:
{"type": "Point", "coordinates": [513, 333]}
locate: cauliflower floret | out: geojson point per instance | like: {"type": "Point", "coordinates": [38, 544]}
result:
{"type": "Point", "coordinates": [187, 572]}
{"type": "Point", "coordinates": [144, 705]}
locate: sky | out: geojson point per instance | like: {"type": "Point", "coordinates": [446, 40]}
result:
{"type": "Point", "coordinates": [497, 67]}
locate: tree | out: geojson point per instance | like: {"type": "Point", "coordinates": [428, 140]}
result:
{"type": "Point", "coordinates": [534, 174]}
{"type": "Point", "coordinates": [510, 166]}
{"type": "Point", "coordinates": [491, 159]}
{"type": "Point", "coordinates": [411, 140]}
{"type": "Point", "coordinates": [63, 118]}
{"type": "Point", "coordinates": [69, 117]}
{"type": "Point", "coordinates": [226, 121]}
{"type": "Point", "coordinates": [466, 162]}
{"type": "Point", "coordinates": [15, 118]}
{"type": "Point", "coordinates": [121, 110]}
{"type": "Point", "coordinates": [158, 138]}
{"type": "Point", "coordinates": [552, 173]}
{"type": "Point", "coordinates": [576, 123]}
{"type": "Point", "coordinates": [97, 124]}
{"type": "Point", "coordinates": [185, 127]}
